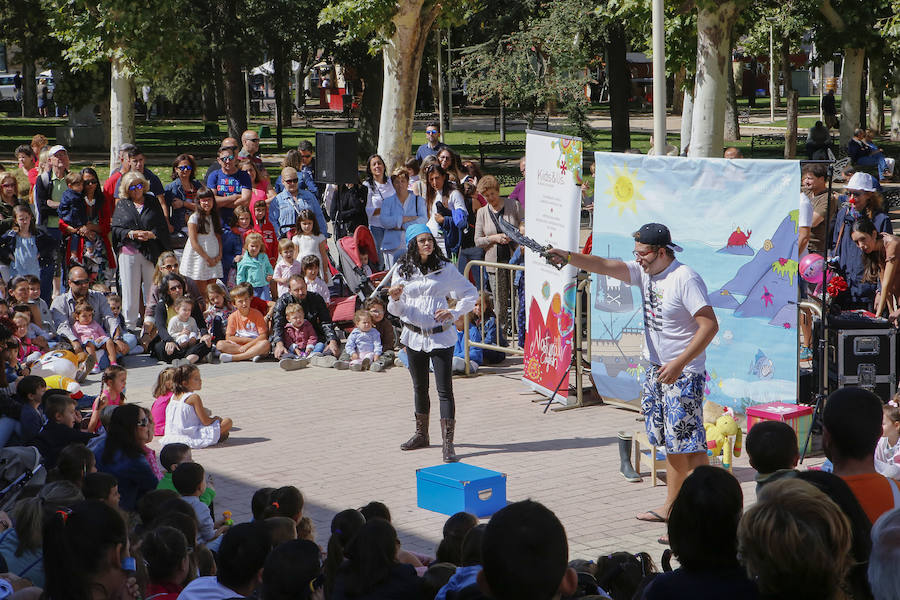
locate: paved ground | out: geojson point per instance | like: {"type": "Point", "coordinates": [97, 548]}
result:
{"type": "Point", "coordinates": [335, 435]}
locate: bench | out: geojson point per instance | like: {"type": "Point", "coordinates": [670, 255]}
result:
{"type": "Point", "coordinates": [541, 121]}
{"type": "Point", "coordinates": [760, 140]}
{"type": "Point", "coordinates": [891, 198]}
{"type": "Point", "coordinates": [508, 179]}
{"type": "Point", "coordinates": [499, 150]}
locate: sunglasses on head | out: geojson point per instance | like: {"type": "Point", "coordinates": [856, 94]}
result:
{"type": "Point", "coordinates": [137, 186]}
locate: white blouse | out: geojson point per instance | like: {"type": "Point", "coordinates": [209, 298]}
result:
{"type": "Point", "coordinates": [376, 198]}
{"type": "Point", "coordinates": [422, 296]}
{"type": "Point", "coordinates": [456, 200]}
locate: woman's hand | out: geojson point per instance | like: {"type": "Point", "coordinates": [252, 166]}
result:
{"type": "Point", "coordinates": [170, 347]}
{"type": "Point", "coordinates": [212, 261]}
{"type": "Point", "coordinates": [395, 292]}
{"type": "Point", "coordinates": [207, 339]}
{"type": "Point", "coordinates": [442, 315]}
{"type": "Point", "coordinates": [500, 238]}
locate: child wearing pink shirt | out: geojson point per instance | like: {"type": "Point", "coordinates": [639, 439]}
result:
{"type": "Point", "coordinates": [165, 387]}
{"type": "Point", "coordinates": [92, 335]}
{"type": "Point", "coordinates": [286, 266]}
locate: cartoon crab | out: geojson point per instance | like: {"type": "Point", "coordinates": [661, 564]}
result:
{"type": "Point", "coordinates": [739, 238]}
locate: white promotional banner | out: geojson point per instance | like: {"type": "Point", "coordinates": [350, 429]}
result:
{"type": "Point", "coordinates": [553, 207]}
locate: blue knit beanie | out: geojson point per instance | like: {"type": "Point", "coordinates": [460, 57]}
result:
{"type": "Point", "coordinates": [415, 230]}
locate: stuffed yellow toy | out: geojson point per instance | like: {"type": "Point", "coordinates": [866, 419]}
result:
{"type": "Point", "coordinates": [718, 439]}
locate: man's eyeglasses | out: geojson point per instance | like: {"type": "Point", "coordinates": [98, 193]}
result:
{"type": "Point", "coordinates": [253, 139]}
{"type": "Point", "coordinates": [306, 156]}
{"type": "Point", "coordinates": [295, 180]}
{"type": "Point", "coordinates": [79, 281]}
{"type": "Point", "coordinates": [137, 186]}
{"type": "Point", "coordinates": [430, 131]}
{"type": "Point", "coordinates": [226, 159]}
{"type": "Point", "coordinates": [183, 168]}
{"type": "Point", "coordinates": [639, 254]}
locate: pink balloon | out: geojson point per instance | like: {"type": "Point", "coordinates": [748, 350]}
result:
{"type": "Point", "coordinates": [812, 268]}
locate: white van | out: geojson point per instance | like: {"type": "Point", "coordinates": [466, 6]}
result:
{"type": "Point", "coordinates": [7, 87]}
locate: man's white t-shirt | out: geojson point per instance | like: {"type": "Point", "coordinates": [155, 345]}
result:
{"type": "Point", "coordinates": [671, 299]}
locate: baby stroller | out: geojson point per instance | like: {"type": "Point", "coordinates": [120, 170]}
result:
{"type": "Point", "coordinates": [351, 284]}
{"type": "Point", "coordinates": [19, 466]}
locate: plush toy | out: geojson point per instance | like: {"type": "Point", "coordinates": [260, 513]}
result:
{"type": "Point", "coordinates": [61, 382]}
{"type": "Point", "coordinates": [60, 362]}
{"type": "Point", "coordinates": [718, 439]}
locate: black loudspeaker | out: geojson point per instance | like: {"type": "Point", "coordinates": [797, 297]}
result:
{"type": "Point", "coordinates": [336, 157]}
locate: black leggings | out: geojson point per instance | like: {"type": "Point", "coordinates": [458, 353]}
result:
{"type": "Point", "coordinates": [442, 359]}
{"type": "Point", "coordinates": [159, 351]}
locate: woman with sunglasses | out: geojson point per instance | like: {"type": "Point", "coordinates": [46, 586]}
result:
{"type": "Point", "coordinates": [85, 219]}
{"type": "Point", "coordinates": [165, 264]}
{"type": "Point", "coordinates": [180, 192]}
{"type": "Point", "coordinates": [140, 233]}
{"type": "Point", "coordinates": [163, 346]}
{"type": "Point", "coordinates": [866, 201]}
{"type": "Point", "coordinates": [122, 454]}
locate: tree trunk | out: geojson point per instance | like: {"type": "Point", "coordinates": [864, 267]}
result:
{"type": "Point", "coordinates": [854, 59]}
{"type": "Point", "coordinates": [235, 111]}
{"type": "Point", "coordinates": [677, 88]}
{"type": "Point", "coordinates": [121, 112]}
{"type": "Point", "coordinates": [687, 113]}
{"type": "Point", "coordinates": [287, 105]}
{"type": "Point", "coordinates": [862, 97]}
{"type": "Point", "coordinates": [219, 78]}
{"type": "Point", "coordinates": [790, 133]}
{"type": "Point", "coordinates": [714, 24]}
{"type": "Point", "coordinates": [895, 106]}
{"type": "Point", "coordinates": [370, 107]}
{"type": "Point", "coordinates": [732, 125]}
{"type": "Point", "coordinates": [208, 99]}
{"type": "Point", "coordinates": [402, 63]}
{"type": "Point", "coordinates": [619, 87]}
{"type": "Point", "coordinates": [29, 87]}
{"type": "Point", "coordinates": [876, 94]}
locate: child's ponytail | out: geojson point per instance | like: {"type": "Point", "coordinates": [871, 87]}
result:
{"type": "Point", "coordinates": [344, 527]}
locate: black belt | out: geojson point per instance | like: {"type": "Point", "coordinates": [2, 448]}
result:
{"type": "Point", "coordinates": [431, 331]}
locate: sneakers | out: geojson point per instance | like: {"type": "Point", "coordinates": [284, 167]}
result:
{"type": "Point", "coordinates": [225, 357]}
{"type": "Point", "coordinates": [95, 370]}
{"type": "Point", "coordinates": [398, 362]}
{"type": "Point", "coordinates": [806, 353]}
{"type": "Point", "coordinates": [358, 365]}
{"type": "Point", "coordinates": [324, 361]}
{"type": "Point", "coordinates": [213, 357]}
{"type": "Point", "coordinates": [341, 365]}
{"type": "Point", "coordinates": [292, 364]}
{"type": "Point", "coordinates": [180, 362]}
{"type": "Point", "coordinates": [377, 366]}
{"type": "Point", "coordinates": [257, 358]}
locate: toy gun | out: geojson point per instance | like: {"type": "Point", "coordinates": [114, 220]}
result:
{"type": "Point", "coordinates": [512, 232]}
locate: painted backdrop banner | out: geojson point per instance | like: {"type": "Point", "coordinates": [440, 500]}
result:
{"type": "Point", "coordinates": [553, 201]}
{"type": "Point", "coordinates": [737, 223]}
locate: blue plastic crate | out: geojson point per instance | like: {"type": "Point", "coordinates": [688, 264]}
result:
{"type": "Point", "coordinates": [457, 487]}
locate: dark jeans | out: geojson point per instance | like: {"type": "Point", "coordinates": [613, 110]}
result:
{"type": "Point", "coordinates": [159, 351]}
{"type": "Point", "coordinates": [442, 359]}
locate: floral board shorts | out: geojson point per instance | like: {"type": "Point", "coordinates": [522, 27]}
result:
{"type": "Point", "coordinates": [673, 413]}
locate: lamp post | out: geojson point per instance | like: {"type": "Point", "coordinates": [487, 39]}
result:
{"type": "Point", "coordinates": [659, 79]}
{"type": "Point", "coordinates": [771, 73]}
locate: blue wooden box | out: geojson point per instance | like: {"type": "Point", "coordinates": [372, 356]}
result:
{"type": "Point", "coordinates": [457, 487]}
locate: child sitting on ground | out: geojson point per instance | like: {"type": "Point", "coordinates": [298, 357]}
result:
{"type": "Point", "coordinates": [162, 393]}
{"type": "Point", "coordinates": [363, 343]}
{"type": "Point", "coordinates": [887, 452]}
{"type": "Point", "coordinates": [286, 266]}
{"type": "Point", "coordinates": [103, 487]}
{"type": "Point", "coordinates": [91, 334]}
{"type": "Point", "coordinates": [127, 343]}
{"type": "Point", "coordinates": [314, 283]}
{"type": "Point", "coordinates": [187, 421]}
{"type": "Point", "coordinates": [34, 297]}
{"type": "Point", "coordinates": [112, 393]}
{"type": "Point", "coordinates": [218, 308]}
{"type": "Point", "coordinates": [772, 450]}
{"type": "Point", "coordinates": [182, 327]}
{"type": "Point", "coordinates": [190, 481]}
{"type": "Point", "coordinates": [37, 335]}
{"type": "Point", "coordinates": [254, 267]}
{"type": "Point", "coordinates": [299, 338]}
{"type": "Point", "coordinates": [378, 311]}
{"type": "Point", "coordinates": [20, 416]}
{"type": "Point", "coordinates": [60, 430]}
{"type": "Point", "coordinates": [483, 318]}
{"type": "Point", "coordinates": [246, 334]}
{"type": "Point", "coordinates": [27, 348]}
{"type": "Point", "coordinates": [173, 455]}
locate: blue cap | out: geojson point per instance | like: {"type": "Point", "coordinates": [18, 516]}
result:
{"type": "Point", "coordinates": [415, 230]}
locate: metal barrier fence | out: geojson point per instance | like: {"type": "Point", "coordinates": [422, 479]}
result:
{"type": "Point", "coordinates": [581, 343]}
{"type": "Point", "coordinates": [508, 302]}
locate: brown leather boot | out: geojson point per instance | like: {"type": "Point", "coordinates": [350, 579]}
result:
{"type": "Point", "coordinates": [447, 452]}
{"type": "Point", "coordinates": [420, 437]}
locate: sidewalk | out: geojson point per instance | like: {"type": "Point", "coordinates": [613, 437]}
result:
{"type": "Point", "coordinates": [335, 435]}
